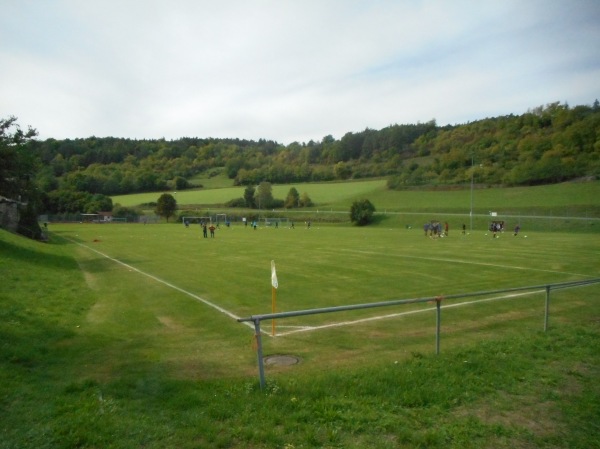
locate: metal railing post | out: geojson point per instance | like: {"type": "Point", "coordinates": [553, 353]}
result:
{"type": "Point", "coordinates": [259, 354]}
{"type": "Point", "coordinates": [438, 322]}
{"type": "Point", "coordinates": [256, 319]}
{"type": "Point", "coordinates": [547, 311]}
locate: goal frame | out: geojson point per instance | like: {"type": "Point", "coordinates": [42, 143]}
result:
{"type": "Point", "coordinates": [196, 220]}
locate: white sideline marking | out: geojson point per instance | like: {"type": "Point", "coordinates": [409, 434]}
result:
{"type": "Point", "coordinates": [469, 262]}
{"type": "Point", "coordinates": [298, 329]}
{"type": "Point", "coordinates": [168, 284]}
{"type": "Point", "coordinates": [394, 315]}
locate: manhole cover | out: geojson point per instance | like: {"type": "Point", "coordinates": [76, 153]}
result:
{"type": "Point", "coordinates": [284, 360]}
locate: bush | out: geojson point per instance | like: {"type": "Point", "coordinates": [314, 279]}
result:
{"type": "Point", "coordinates": [277, 203]}
{"type": "Point", "coordinates": [236, 202]}
{"type": "Point", "coordinates": [130, 213]}
{"type": "Point", "coordinates": [361, 212]}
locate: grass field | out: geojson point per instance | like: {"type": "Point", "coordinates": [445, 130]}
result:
{"type": "Point", "coordinates": [124, 335]}
{"type": "Point", "coordinates": [561, 199]}
{"type": "Point", "coordinates": [332, 265]}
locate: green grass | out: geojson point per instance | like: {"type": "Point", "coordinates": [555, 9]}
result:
{"type": "Point", "coordinates": [324, 194]}
{"type": "Point", "coordinates": [557, 198]}
{"type": "Point", "coordinates": [96, 353]}
{"type": "Point", "coordinates": [212, 179]}
{"type": "Point", "coordinates": [560, 199]}
{"type": "Point", "coordinates": [332, 265]}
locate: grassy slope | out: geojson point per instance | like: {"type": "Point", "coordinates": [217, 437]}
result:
{"type": "Point", "coordinates": [578, 199]}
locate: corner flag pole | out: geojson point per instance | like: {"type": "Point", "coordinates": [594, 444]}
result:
{"type": "Point", "coordinates": [274, 286]}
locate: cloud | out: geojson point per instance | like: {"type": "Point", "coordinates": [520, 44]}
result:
{"type": "Point", "coordinates": [287, 70]}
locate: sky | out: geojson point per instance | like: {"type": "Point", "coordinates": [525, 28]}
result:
{"type": "Point", "coordinates": [288, 70]}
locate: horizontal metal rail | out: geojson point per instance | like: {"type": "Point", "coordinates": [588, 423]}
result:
{"type": "Point", "coordinates": [395, 302]}
{"type": "Point", "coordinates": [256, 319]}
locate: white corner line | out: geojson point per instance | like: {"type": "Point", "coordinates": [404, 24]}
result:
{"type": "Point", "coordinates": [168, 284]}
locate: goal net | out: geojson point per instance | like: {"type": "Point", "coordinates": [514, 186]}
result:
{"type": "Point", "coordinates": [195, 220]}
{"type": "Point", "coordinates": [275, 222]}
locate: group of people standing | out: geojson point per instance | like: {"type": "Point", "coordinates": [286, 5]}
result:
{"type": "Point", "coordinates": [433, 229]}
{"type": "Point", "coordinates": [205, 230]}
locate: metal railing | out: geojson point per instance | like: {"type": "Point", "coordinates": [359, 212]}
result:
{"type": "Point", "coordinates": [256, 319]}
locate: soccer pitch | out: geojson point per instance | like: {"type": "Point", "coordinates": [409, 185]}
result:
{"type": "Point", "coordinates": [223, 278]}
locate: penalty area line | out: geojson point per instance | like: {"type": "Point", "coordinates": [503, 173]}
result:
{"type": "Point", "coordinates": [161, 281]}
{"type": "Point", "coordinates": [395, 315]}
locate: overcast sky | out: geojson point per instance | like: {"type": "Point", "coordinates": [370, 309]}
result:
{"type": "Point", "coordinates": [288, 70]}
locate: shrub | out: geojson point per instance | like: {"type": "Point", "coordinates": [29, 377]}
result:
{"type": "Point", "coordinates": [361, 212]}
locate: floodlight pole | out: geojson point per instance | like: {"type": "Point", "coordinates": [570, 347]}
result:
{"type": "Point", "coordinates": [472, 173]}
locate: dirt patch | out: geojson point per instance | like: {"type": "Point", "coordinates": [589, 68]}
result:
{"type": "Point", "coordinates": [97, 313]}
{"type": "Point", "coordinates": [540, 418]}
{"type": "Point", "coordinates": [169, 323]}
{"type": "Point", "coordinates": [281, 360]}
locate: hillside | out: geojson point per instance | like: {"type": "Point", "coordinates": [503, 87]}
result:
{"type": "Point", "coordinates": [546, 145]}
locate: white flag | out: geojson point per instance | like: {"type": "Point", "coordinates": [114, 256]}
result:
{"type": "Point", "coordinates": [273, 275]}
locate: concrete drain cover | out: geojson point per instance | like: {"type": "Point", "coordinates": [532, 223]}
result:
{"type": "Point", "coordinates": [281, 360]}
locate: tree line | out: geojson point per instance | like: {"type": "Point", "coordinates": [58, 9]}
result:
{"type": "Point", "coordinates": [547, 144]}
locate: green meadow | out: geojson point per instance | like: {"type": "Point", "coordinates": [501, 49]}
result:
{"type": "Point", "coordinates": [578, 198]}
{"type": "Point", "coordinates": [125, 335]}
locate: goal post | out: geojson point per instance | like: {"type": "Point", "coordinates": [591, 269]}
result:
{"type": "Point", "coordinates": [275, 221]}
{"type": "Point", "coordinates": [195, 220]}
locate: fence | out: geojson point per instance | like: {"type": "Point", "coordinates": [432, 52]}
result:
{"type": "Point", "coordinates": [256, 319]}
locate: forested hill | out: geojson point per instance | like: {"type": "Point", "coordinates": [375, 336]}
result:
{"type": "Point", "coordinates": [548, 144]}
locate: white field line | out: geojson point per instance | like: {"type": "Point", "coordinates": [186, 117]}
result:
{"type": "Point", "coordinates": [343, 323]}
{"type": "Point", "coordinates": [395, 315]}
{"type": "Point", "coordinates": [468, 262]}
{"type": "Point", "coordinates": [168, 284]}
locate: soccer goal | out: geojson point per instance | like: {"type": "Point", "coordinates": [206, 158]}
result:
{"type": "Point", "coordinates": [221, 218]}
{"type": "Point", "coordinates": [275, 221]}
{"type": "Point", "coordinates": [195, 220]}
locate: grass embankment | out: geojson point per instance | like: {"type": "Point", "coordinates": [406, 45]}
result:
{"type": "Point", "coordinates": [93, 354]}
{"type": "Point", "coordinates": [557, 197]}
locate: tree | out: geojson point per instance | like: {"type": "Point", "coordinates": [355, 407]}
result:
{"type": "Point", "coordinates": [17, 172]}
{"type": "Point", "coordinates": [361, 212]}
{"type": "Point", "coordinates": [17, 164]}
{"type": "Point", "coordinates": [342, 170]}
{"type": "Point", "coordinates": [99, 203]}
{"type": "Point", "coordinates": [129, 213]}
{"type": "Point", "coordinates": [249, 196]}
{"type": "Point", "coordinates": [181, 183]}
{"type": "Point", "coordinates": [305, 200]}
{"type": "Point", "coordinates": [292, 199]}
{"type": "Point", "coordinates": [166, 206]}
{"type": "Point", "coordinates": [264, 195]}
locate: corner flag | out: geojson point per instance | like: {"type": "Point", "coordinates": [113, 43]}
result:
{"type": "Point", "coordinates": [273, 275]}
{"type": "Point", "coordinates": [273, 294]}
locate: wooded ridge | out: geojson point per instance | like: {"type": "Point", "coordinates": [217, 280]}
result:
{"type": "Point", "coordinates": [547, 144]}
